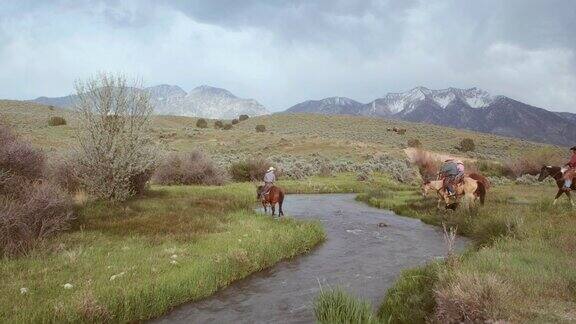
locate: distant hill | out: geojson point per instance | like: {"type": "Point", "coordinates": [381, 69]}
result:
{"type": "Point", "coordinates": [472, 109]}
{"type": "Point", "coordinates": [203, 101]}
{"type": "Point", "coordinates": [289, 136]}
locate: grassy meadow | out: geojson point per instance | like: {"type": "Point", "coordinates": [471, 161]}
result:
{"type": "Point", "coordinates": [520, 267]}
{"type": "Point", "coordinates": [136, 260]}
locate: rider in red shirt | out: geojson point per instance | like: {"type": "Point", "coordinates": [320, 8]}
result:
{"type": "Point", "coordinates": [571, 172]}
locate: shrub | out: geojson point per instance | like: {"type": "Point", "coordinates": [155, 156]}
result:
{"type": "Point", "coordinates": [467, 145]}
{"type": "Point", "coordinates": [401, 131]}
{"type": "Point", "coordinates": [18, 157]}
{"type": "Point", "coordinates": [531, 162]}
{"type": "Point", "coordinates": [471, 298]}
{"type": "Point", "coordinates": [56, 121]}
{"type": "Point", "coordinates": [201, 123]}
{"type": "Point", "coordinates": [65, 172]}
{"type": "Point", "coordinates": [218, 124]}
{"type": "Point", "coordinates": [414, 142]}
{"type": "Point", "coordinates": [41, 212]}
{"type": "Point", "coordinates": [260, 128]}
{"type": "Point", "coordinates": [31, 208]}
{"type": "Point", "coordinates": [325, 170]}
{"type": "Point", "coordinates": [337, 306]}
{"type": "Point", "coordinates": [235, 121]}
{"type": "Point", "coordinates": [227, 127]}
{"type": "Point", "coordinates": [249, 170]}
{"type": "Point", "coordinates": [193, 168]}
{"type": "Point", "coordinates": [243, 117]}
{"type": "Point", "coordinates": [116, 153]}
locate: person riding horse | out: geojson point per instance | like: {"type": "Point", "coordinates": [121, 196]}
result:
{"type": "Point", "coordinates": [269, 179]}
{"type": "Point", "coordinates": [451, 172]}
{"type": "Point", "coordinates": [571, 171]}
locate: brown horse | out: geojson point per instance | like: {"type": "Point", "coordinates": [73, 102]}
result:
{"type": "Point", "coordinates": [275, 196]}
{"type": "Point", "coordinates": [556, 173]}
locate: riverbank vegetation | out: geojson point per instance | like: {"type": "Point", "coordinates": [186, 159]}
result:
{"type": "Point", "coordinates": [520, 267]}
{"type": "Point", "coordinates": [135, 260]}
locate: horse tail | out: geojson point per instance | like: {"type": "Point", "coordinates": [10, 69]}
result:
{"type": "Point", "coordinates": [483, 186]}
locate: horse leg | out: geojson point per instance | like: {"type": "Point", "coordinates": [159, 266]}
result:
{"type": "Point", "coordinates": [273, 206]}
{"type": "Point", "coordinates": [265, 208]}
{"type": "Point", "coordinates": [558, 194]}
{"type": "Point", "coordinates": [280, 211]}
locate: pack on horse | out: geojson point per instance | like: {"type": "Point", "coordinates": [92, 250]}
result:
{"type": "Point", "coordinates": [269, 194]}
{"type": "Point", "coordinates": [565, 176]}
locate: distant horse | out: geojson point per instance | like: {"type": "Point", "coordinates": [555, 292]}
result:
{"type": "Point", "coordinates": [275, 196]}
{"type": "Point", "coordinates": [555, 173]}
{"type": "Point", "coordinates": [473, 187]}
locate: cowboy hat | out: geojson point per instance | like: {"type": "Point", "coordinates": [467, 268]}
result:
{"type": "Point", "coordinates": [271, 169]}
{"type": "Point", "coordinates": [573, 148]}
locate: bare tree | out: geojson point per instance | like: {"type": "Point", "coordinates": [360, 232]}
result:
{"type": "Point", "coordinates": [115, 152]}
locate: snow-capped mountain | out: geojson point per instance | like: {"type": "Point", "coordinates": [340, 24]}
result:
{"type": "Point", "coordinates": [406, 102]}
{"type": "Point", "coordinates": [327, 106]}
{"type": "Point", "coordinates": [203, 101]}
{"type": "Point", "coordinates": [473, 109]}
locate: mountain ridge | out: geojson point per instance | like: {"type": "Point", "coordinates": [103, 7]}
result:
{"type": "Point", "coordinates": [202, 101]}
{"type": "Point", "coordinates": [472, 109]}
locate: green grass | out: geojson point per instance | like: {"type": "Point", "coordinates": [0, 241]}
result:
{"type": "Point", "coordinates": [137, 260]}
{"type": "Point", "coordinates": [337, 306]}
{"type": "Point", "coordinates": [521, 267]}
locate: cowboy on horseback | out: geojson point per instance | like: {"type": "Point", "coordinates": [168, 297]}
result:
{"type": "Point", "coordinates": [571, 170]}
{"type": "Point", "coordinates": [269, 179]}
{"type": "Point", "coordinates": [451, 172]}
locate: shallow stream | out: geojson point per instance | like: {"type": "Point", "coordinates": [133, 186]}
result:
{"type": "Point", "coordinates": [358, 255]}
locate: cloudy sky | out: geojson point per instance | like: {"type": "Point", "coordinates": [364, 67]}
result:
{"type": "Point", "coordinates": [284, 52]}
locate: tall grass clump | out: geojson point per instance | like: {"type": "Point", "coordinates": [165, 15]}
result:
{"type": "Point", "coordinates": [337, 306]}
{"type": "Point", "coordinates": [115, 152]}
{"type": "Point", "coordinates": [411, 299]}
{"type": "Point", "coordinates": [249, 170]}
{"type": "Point", "coordinates": [31, 208]}
{"type": "Point", "coordinates": [193, 168]}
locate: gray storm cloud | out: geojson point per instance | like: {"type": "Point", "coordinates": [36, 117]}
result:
{"type": "Point", "coordinates": [283, 52]}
